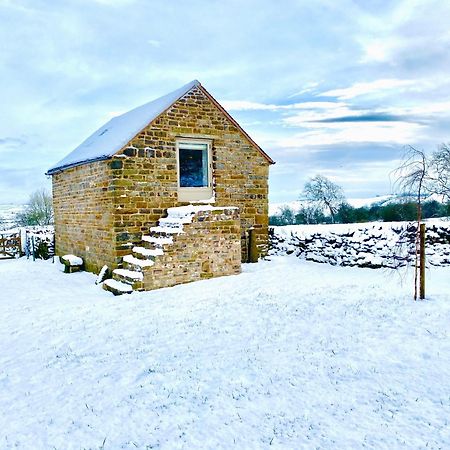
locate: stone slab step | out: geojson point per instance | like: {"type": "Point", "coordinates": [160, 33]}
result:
{"type": "Point", "coordinates": [166, 230]}
{"type": "Point", "coordinates": [137, 264]}
{"type": "Point", "coordinates": [174, 221]}
{"type": "Point", "coordinates": [117, 287]}
{"type": "Point", "coordinates": [146, 253]}
{"type": "Point", "coordinates": [130, 277]}
{"type": "Point", "coordinates": [158, 241]}
{"type": "Point", "coordinates": [132, 274]}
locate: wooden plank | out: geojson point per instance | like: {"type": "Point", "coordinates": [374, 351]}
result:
{"type": "Point", "coordinates": [10, 245]}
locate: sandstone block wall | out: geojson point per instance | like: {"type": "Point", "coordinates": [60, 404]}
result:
{"type": "Point", "coordinates": [84, 214]}
{"type": "Point", "coordinates": [209, 247]}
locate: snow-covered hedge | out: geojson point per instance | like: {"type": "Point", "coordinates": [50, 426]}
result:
{"type": "Point", "coordinates": [371, 245]}
{"type": "Point", "coordinates": [40, 240]}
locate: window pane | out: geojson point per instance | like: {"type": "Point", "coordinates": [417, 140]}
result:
{"type": "Point", "coordinates": [194, 167]}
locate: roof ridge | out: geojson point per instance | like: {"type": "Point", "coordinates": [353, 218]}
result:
{"type": "Point", "coordinates": [103, 144]}
{"type": "Point", "coordinates": [118, 131]}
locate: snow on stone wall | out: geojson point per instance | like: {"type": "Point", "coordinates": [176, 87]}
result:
{"type": "Point", "coordinates": [372, 245]}
{"type": "Point", "coordinates": [42, 238]}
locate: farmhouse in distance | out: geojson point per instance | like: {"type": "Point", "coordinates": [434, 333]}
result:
{"type": "Point", "coordinates": [164, 194]}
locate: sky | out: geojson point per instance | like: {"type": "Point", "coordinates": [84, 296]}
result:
{"type": "Point", "coordinates": [324, 87]}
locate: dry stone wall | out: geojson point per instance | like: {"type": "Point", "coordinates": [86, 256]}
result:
{"type": "Point", "coordinates": [373, 245]}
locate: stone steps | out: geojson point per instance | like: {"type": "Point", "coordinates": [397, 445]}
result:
{"type": "Point", "coordinates": [143, 256]}
{"type": "Point", "coordinates": [130, 277]}
{"type": "Point", "coordinates": [130, 262]}
{"type": "Point", "coordinates": [164, 231]}
{"type": "Point", "coordinates": [117, 287]}
{"type": "Point", "coordinates": [157, 241]}
{"type": "Point", "coordinates": [147, 253]}
{"type": "Point", "coordinates": [138, 265]}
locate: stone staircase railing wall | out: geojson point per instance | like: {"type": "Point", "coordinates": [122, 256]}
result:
{"type": "Point", "coordinates": [372, 245]}
{"type": "Point", "coordinates": [190, 244]}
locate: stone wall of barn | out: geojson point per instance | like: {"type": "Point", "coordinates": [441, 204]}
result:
{"type": "Point", "coordinates": [84, 214]}
{"type": "Point", "coordinates": [103, 208]}
{"type": "Point", "coordinates": [145, 171]}
{"type": "Point", "coordinates": [209, 246]}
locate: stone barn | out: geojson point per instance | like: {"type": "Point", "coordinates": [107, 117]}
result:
{"type": "Point", "coordinates": [164, 194]}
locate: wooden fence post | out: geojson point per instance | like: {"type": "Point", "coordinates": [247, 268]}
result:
{"type": "Point", "coordinates": [32, 247]}
{"type": "Point", "coordinates": [422, 261]}
{"type": "Point", "coordinates": [252, 247]}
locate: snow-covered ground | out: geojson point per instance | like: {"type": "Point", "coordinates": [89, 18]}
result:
{"type": "Point", "coordinates": [289, 354]}
{"type": "Point", "coordinates": [8, 215]}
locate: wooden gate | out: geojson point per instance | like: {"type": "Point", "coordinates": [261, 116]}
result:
{"type": "Point", "coordinates": [10, 245]}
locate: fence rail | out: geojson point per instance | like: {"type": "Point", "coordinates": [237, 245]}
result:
{"type": "Point", "coordinates": [10, 245]}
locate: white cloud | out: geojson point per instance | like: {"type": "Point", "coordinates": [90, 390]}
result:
{"type": "Point", "coordinates": [154, 43]}
{"type": "Point", "coordinates": [244, 105]}
{"type": "Point", "coordinates": [308, 87]}
{"type": "Point", "coordinates": [377, 86]}
{"type": "Point", "coordinates": [378, 50]}
{"type": "Point", "coordinates": [115, 3]}
{"type": "Point", "coordinates": [431, 108]}
{"type": "Point", "coordinates": [353, 132]}
{"type": "Point", "coordinates": [326, 110]}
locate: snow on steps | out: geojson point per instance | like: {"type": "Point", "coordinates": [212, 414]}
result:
{"type": "Point", "coordinates": [117, 287]}
{"type": "Point", "coordinates": [157, 241]}
{"type": "Point", "coordinates": [131, 274]}
{"type": "Point", "coordinates": [167, 230]}
{"type": "Point", "coordinates": [124, 280]}
{"type": "Point", "coordinates": [132, 278]}
{"type": "Point", "coordinates": [137, 262]}
{"type": "Point", "coordinates": [147, 253]}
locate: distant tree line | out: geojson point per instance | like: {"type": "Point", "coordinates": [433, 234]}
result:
{"type": "Point", "coordinates": [324, 201]}
{"type": "Point", "coordinates": [393, 212]}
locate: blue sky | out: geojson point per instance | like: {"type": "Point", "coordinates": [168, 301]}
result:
{"type": "Point", "coordinates": [336, 88]}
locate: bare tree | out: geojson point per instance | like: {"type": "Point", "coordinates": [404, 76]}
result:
{"type": "Point", "coordinates": [439, 172]}
{"type": "Point", "coordinates": [39, 210]}
{"type": "Point", "coordinates": [322, 192]}
{"type": "Point", "coordinates": [411, 178]}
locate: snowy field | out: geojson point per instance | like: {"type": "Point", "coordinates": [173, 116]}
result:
{"type": "Point", "coordinates": [289, 354]}
{"type": "Point", "coordinates": [8, 215]}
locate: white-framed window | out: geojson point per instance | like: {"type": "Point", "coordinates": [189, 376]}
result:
{"type": "Point", "coordinates": [194, 169]}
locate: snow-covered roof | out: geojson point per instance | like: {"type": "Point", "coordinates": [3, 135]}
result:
{"type": "Point", "coordinates": [112, 136]}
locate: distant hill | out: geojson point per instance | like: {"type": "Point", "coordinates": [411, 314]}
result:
{"type": "Point", "coordinates": [8, 214]}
